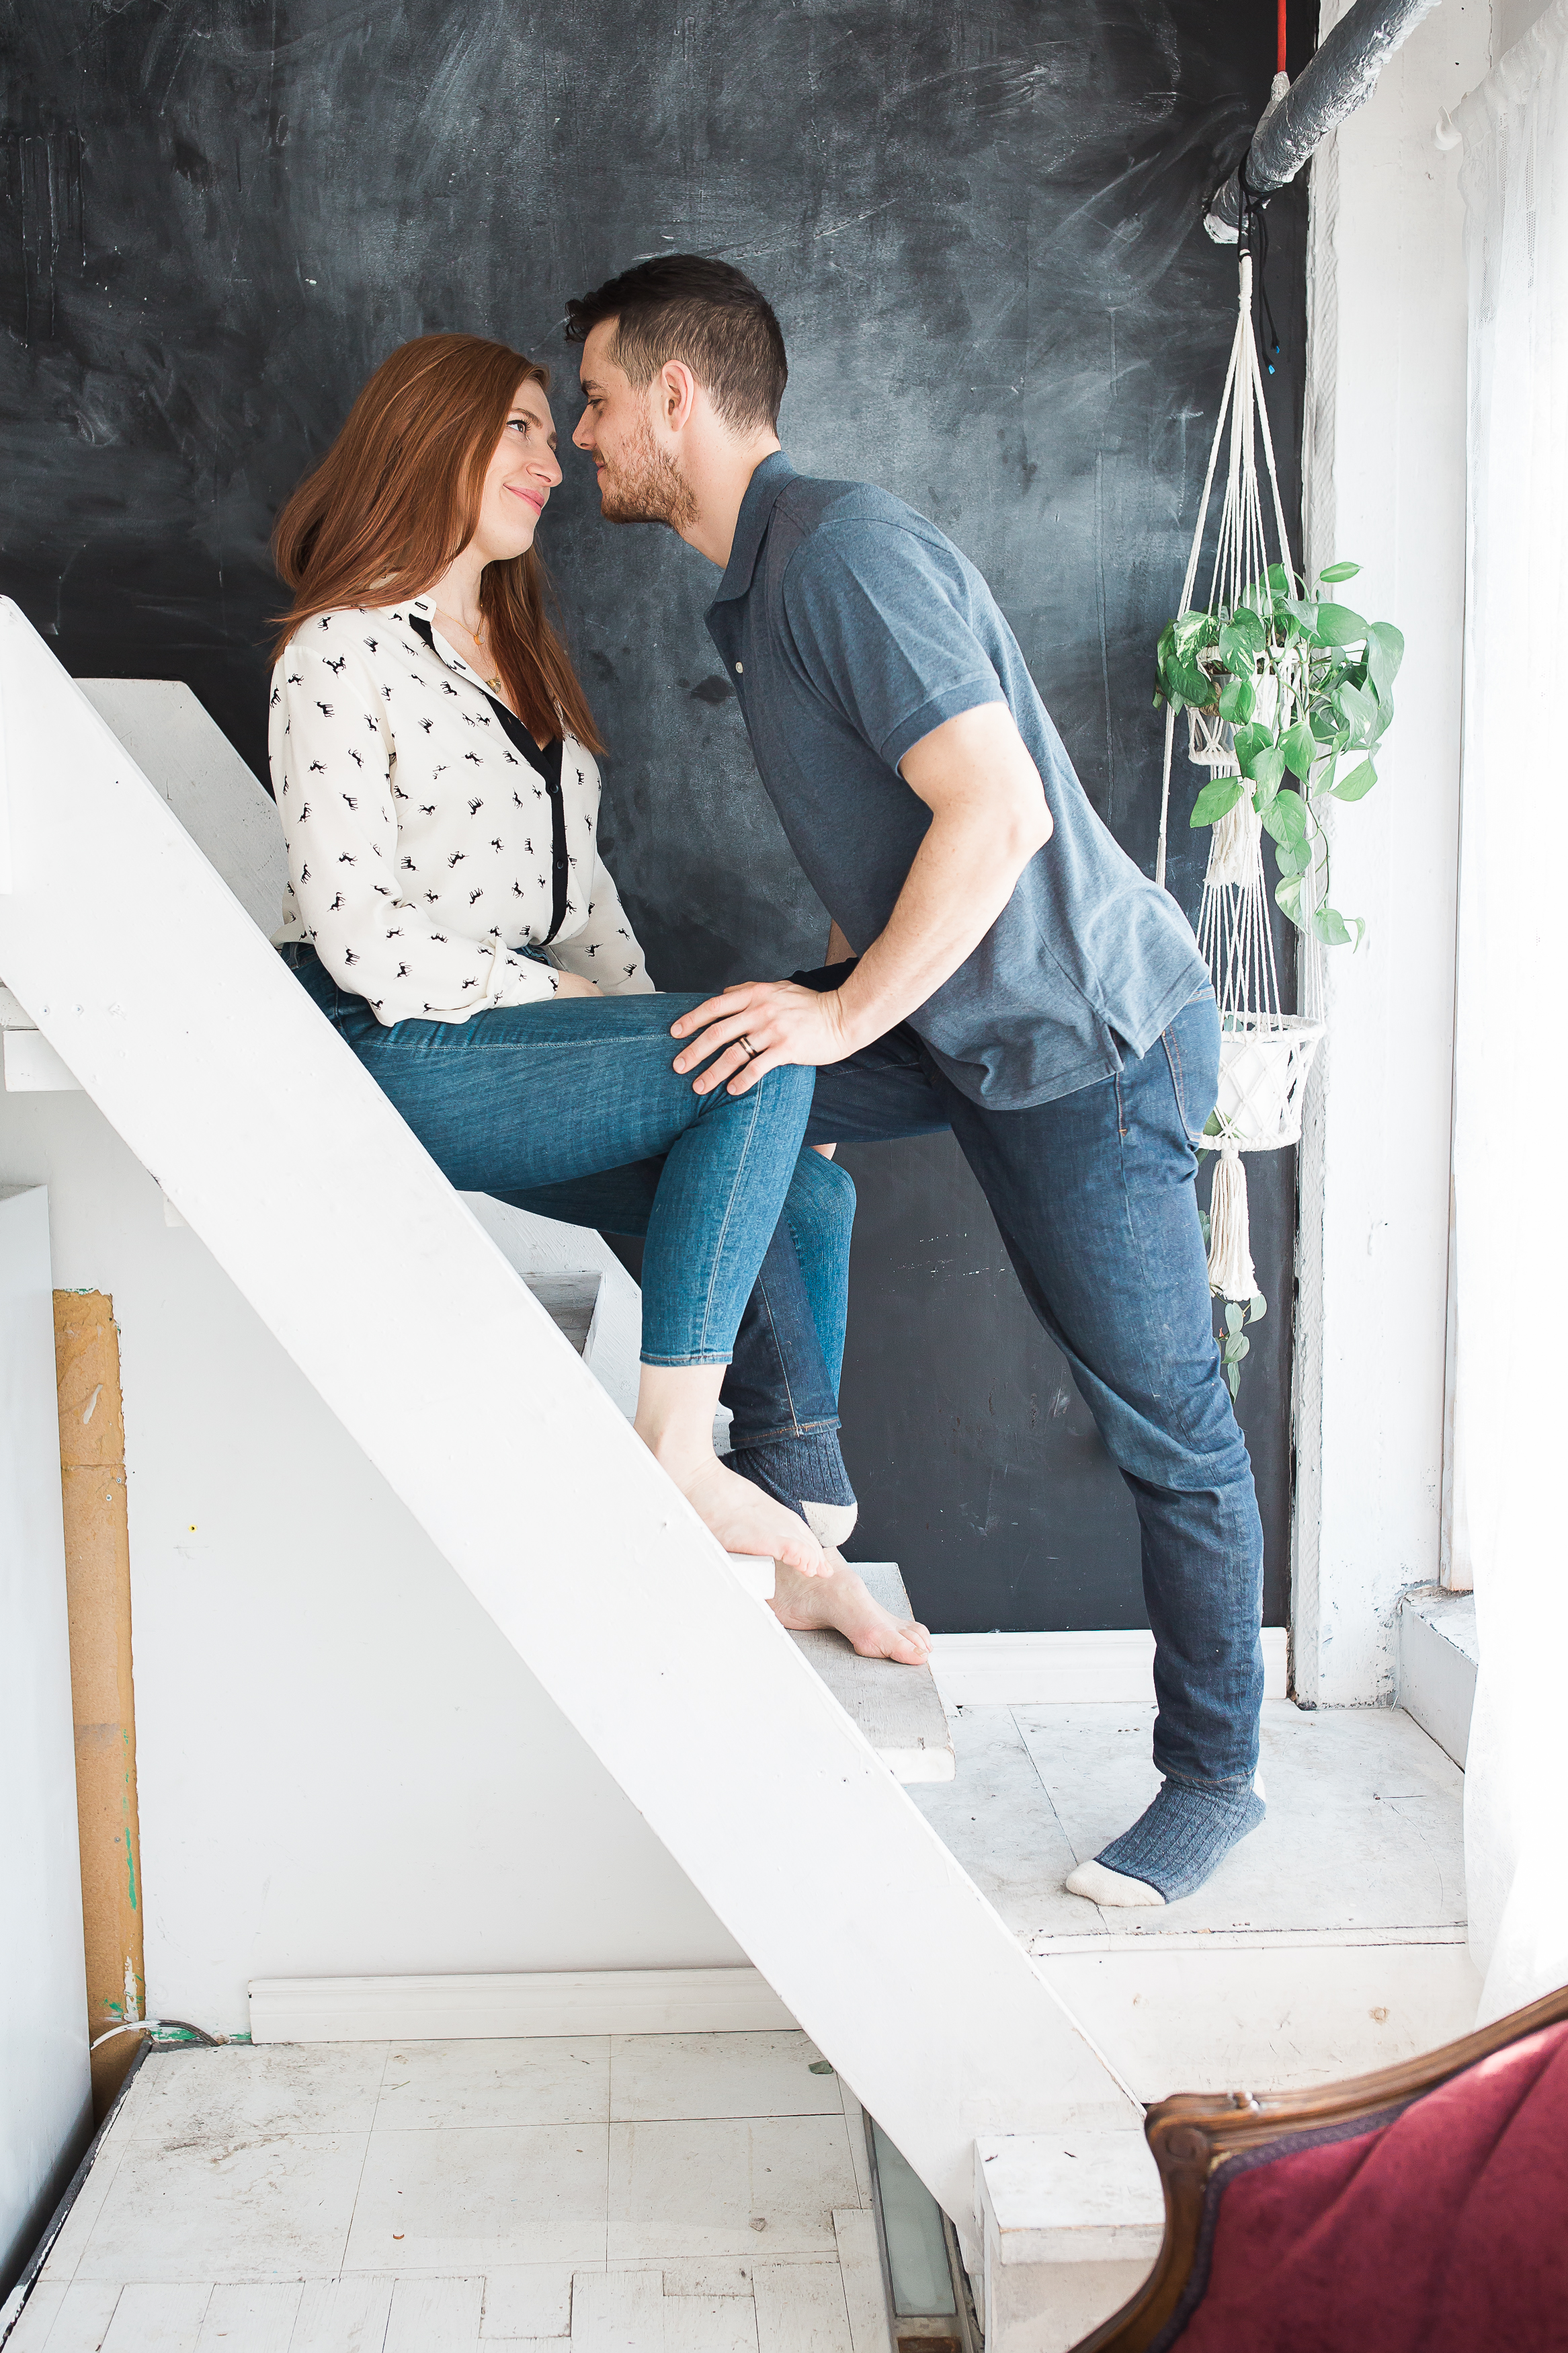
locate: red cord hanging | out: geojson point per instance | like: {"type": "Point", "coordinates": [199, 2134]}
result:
{"type": "Point", "coordinates": [1283, 4]}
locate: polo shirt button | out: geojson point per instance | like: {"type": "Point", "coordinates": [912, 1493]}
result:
{"type": "Point", "coordinates": [740, 665]}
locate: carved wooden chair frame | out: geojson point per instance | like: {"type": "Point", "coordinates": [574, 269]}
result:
{"type": "Point", "coordinates": [1194, 2135]}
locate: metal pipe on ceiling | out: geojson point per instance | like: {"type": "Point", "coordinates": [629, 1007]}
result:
{"type": "Point", "coordinates": [1339, 77]}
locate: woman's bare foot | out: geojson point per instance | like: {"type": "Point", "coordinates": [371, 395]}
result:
{"type": "Point", "coordinates": [837, 1598]}
{"type": "Point", "coordinates": [745, 1520]}
{"type": "Point", "coordinates": [675, 1422]}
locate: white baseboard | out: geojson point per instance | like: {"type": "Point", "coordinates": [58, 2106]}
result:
{"type": "Point", "coordinates": [545, 2001]}
{"type": "Point", "coordinates": [1037, 1670]}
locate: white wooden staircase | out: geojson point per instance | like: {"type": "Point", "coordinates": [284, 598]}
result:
{"type": "Point", "coordinates": [133, 920]}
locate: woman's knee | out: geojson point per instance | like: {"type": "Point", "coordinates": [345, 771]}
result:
{"type": "Point", "coordinates": [821, 1199]}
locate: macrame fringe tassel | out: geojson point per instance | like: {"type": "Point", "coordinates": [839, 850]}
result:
{"type": "Point", "coordinates": [1230, 1242]}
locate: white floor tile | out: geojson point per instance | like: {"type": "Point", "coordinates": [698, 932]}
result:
{"type": "Point", "coordinates": [478, 2196]}
{"type": "Point", "coordinates": [619, 2312]}
{"type": "Point", "coordinates": [343, 2316]}
{"type": "Point", "coordinates": [79, 2324]}
{"type": "Point", "coordinates": [1364, 1822]}
{"type": "Point", "coordinates": [687, 2190]}
{"type": "Point", "coordinates": [248, 2317]}
{"type": "Point", "coordinates": [412, 2237]}
{"type": "Point", "coordinates": [1274, 2016]}
{"type": "Point", "coordinates": [700, 2281]}
{"type": "Point", "coordinates": [215, 2210]}
{"type": "Point", "coordinates": [996, 1816]}
{"type": "Point", "coordinates": [537, 2080]}
{"type": "Point", "coordinates": [435, 2316]}
{"type": "Point", "coordinates": [859, 2154]}
{"type": "Point", "coordinates": [132, 2092]}
{"type": "Point", "coordinates": [1365, 1827]}
{"type": "Point", "coordinates": [660, 2078]}
{"type": "Point", "coordinates": [157, 2318]}
{"type": "Point", "coordinates": [86, 2207]}
{"type": "Point", "coordinates": [535, 2300]}
{"type": "Point", "coordinates": [715, 2324]}
{"type": "Point", "coordinates": [860, 2264]}
{"type": "Point", "coordinates": [243, 2091]}
{"type": "Point", "coordinates": [33, 2322]}
{"type": "Point", "coordinates": [37, 2318]}
{"type": "Point", "coordinates": [801, 2309]}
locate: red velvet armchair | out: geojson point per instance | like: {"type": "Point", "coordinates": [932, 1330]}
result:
{"type": "Point", "coordinates": [1421, 2210]}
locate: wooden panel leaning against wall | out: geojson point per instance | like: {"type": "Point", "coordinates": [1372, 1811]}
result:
{"type": "Point", "coordinates": [97, 1587]}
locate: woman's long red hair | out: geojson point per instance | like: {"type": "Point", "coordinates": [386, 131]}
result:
{"type": "Point", "coordinates": [396, 499]}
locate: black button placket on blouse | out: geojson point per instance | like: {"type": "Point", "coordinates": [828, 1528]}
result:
{"type": "Point", "coordinates": [545, 764]}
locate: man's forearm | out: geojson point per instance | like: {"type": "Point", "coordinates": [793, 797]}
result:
{"type": "Point", "coordinates": [989, 817]}
{"type": "Point", "coordinates": [960, 880]}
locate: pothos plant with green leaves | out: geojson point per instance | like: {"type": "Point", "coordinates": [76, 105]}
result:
{"type": "Point", "coordinates": [1306, 685]}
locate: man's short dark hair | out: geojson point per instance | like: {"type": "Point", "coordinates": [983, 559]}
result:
{"type": "Point", "coordinates": [684, 306]}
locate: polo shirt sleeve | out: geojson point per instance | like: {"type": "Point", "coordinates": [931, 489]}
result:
{"type": "Point", "coordinates": [878, 618]}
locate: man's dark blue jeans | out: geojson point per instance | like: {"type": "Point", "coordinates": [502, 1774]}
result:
{"type": "Point", "coordinates": [1095, 1196]}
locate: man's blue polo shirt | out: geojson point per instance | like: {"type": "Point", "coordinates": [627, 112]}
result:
{"type": "Point", "coordinates": [851, 627]}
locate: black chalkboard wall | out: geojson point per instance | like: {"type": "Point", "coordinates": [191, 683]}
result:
{"type": "Point", "coordinates": [981, 226]}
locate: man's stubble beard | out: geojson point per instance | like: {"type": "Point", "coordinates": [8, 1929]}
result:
{"type": "Point", "coordinates": [646, 486]}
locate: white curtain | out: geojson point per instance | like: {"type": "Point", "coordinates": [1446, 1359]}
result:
{"type": "Point", "coordinates": [1511, 1134]}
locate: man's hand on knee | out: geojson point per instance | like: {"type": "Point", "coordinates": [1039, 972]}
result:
{"type": "Point", "coordinates": [756, 1026]}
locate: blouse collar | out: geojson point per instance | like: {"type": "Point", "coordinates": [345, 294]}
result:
{"type": "Point", "coordinates": [426, 607]}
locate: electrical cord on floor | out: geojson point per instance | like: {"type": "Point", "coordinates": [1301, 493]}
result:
{"type": "Point", "coordinates": [158, 2026]}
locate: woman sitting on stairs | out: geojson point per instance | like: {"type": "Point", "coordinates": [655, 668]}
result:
{"type": "Point", "coordinates": [433, 765]}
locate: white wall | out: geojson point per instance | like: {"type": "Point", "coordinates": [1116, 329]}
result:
{"type": "Point", "coordinates": [343, 1765]}
{"type": "Point", "coordinates": [45, 2104]}
{"type": "Point", "coordinates": [1511, 19]}
{"type": "Point", "coordinates": [1385, 484]}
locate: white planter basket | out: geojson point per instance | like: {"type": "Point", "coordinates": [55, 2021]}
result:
{"type": "Point", "coordinates": [1210, 743]}
{"type": "Point", "coordinates": [1264, 1064]}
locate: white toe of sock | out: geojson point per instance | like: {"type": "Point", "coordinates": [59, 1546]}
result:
{"type": "Point", "coordinates": [831, 1523]}
{"type": "Point", "coordinates": [1102, 1886]}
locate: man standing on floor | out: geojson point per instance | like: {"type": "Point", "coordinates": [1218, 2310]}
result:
{"type": "Point", "coordinates": [997, 965]}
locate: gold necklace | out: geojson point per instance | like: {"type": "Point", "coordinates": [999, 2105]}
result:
{"type": "Point", "coordinates": [478, 637]}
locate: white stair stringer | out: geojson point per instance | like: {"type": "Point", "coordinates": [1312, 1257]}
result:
{"type": "Point", "coordinates": [165, 999]}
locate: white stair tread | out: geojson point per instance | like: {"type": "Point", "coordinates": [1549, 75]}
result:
{"type": "Point", "coordinates": [1070, 2197]}
{"type": "Point", "coordinates": [569, 1301]}
{"type": "Point", "coordinates": [898, 1709]}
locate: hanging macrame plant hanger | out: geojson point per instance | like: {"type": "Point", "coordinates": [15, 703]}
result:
{"type": "Point", "coordinates": [1266, 1055]}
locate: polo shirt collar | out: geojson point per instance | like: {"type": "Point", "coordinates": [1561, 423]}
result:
{"type": "Point", "coordinates": [756, 508]}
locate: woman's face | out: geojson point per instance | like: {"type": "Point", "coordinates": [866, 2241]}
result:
{"type": "Point", "coordinates": [522, 474]}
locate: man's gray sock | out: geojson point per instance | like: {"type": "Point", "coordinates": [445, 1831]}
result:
{"type": "Point", "coordinates": [808, 1468]}
{"type": "Point", "coordinates": [1172, 1847]}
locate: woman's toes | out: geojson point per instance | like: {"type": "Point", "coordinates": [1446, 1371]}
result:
{"type": "Point", "coordinates": [907, 1644]}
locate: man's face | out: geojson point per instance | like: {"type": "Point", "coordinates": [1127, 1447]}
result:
{"type": "Point", "coordinates": [639, 481]}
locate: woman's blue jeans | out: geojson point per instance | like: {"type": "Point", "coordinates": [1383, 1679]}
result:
{"type": "Point", "coordinates": [782, 1380]}
{"type": "Point", "coordinates": [531, 1096]}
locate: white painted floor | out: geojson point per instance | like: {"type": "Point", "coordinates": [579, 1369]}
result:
{"type": "Point", "coordinates": [701, 2193]}
{"type": "Point", "coordinates": [709, 2193]}
{"type": "Point", "coordinates": [1329, 1942]}
{"type": "Point", "coordinates": [1364, 1829]}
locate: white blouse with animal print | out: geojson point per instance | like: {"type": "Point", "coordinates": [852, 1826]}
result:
{"type": "Point", "coordinates": [426, 840]}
